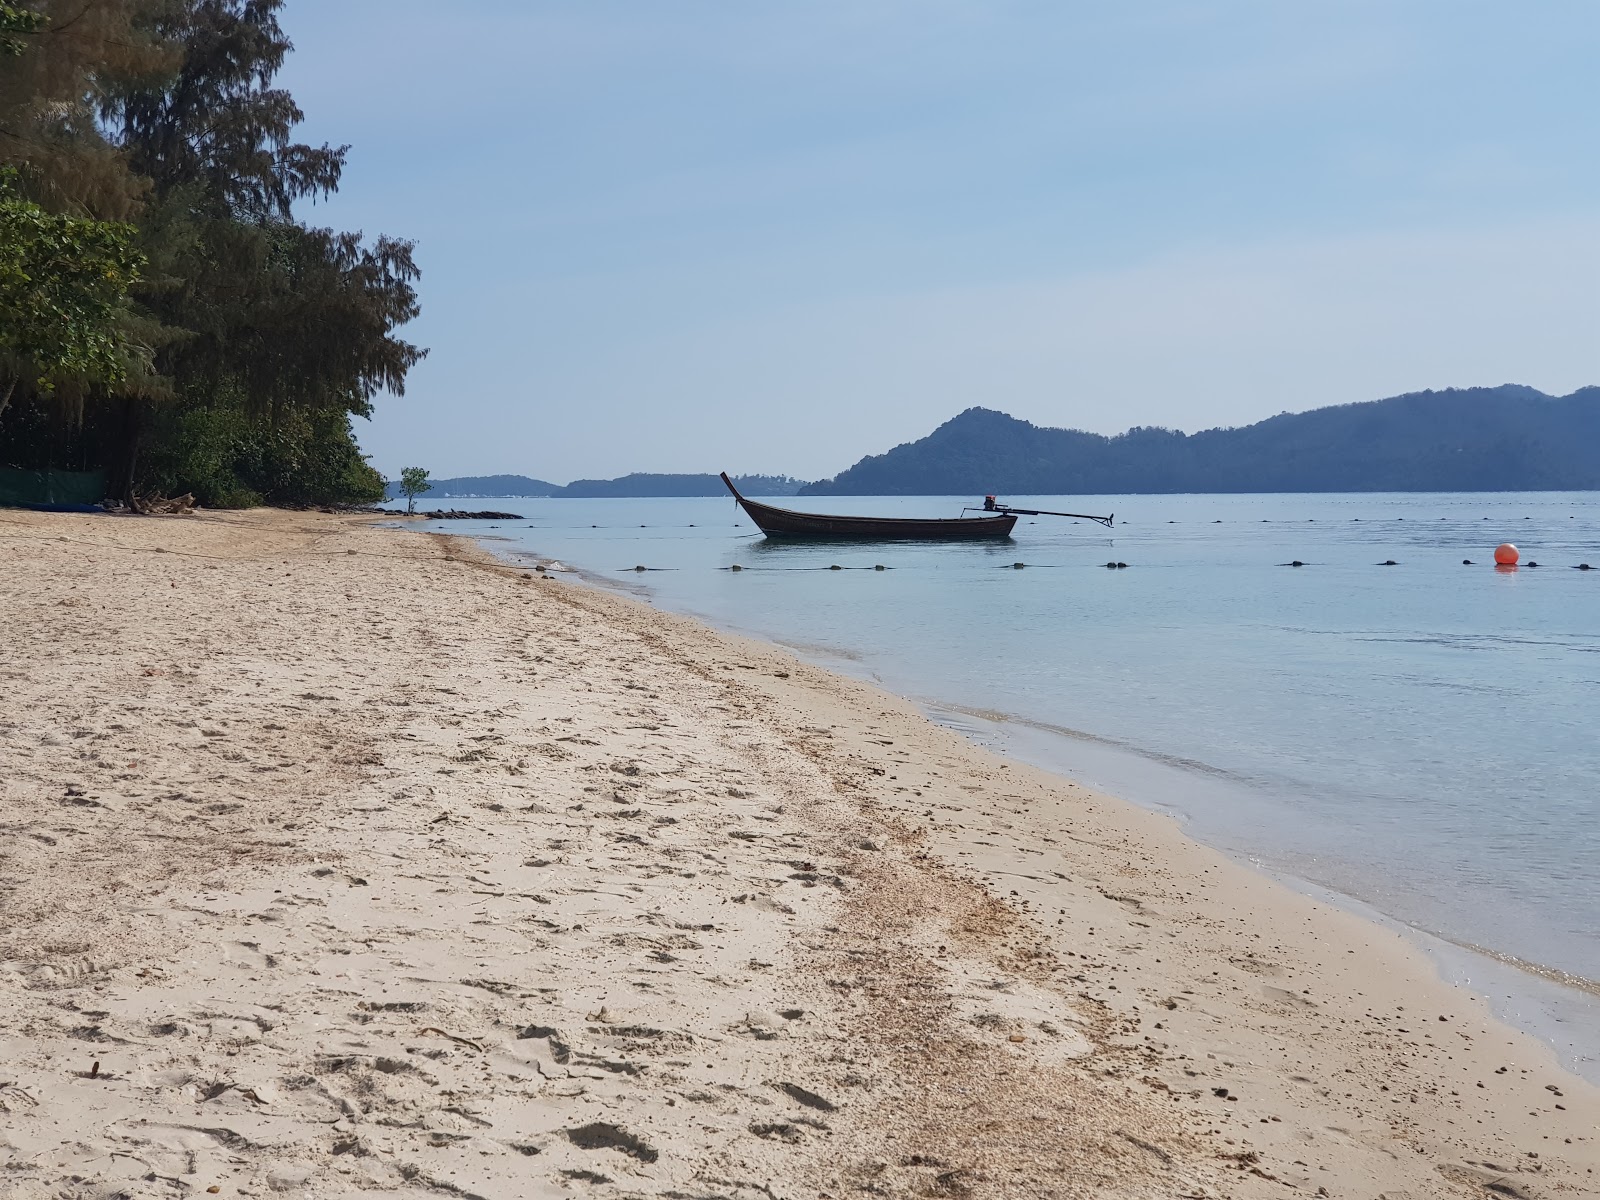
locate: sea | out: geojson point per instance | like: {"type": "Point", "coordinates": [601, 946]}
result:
{"type": "Point", "coordinates": [1396, 725]}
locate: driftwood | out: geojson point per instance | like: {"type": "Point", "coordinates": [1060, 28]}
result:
{"type": "Point", "coordinates": [161, 506]}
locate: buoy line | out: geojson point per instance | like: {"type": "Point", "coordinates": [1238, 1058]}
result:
{"type": "Point", "coordinates": [1507, 557]}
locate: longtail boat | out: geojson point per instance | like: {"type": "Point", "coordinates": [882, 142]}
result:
{"type": "Point", "coordinates": [787, 523]}
{"type": "Point", "coordinates": [996, 522]}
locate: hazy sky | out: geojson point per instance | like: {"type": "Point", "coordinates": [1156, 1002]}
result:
{"type": "Point", "coordinates": [770, 236]}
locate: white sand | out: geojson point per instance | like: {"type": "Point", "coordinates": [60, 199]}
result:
{"type": "Point", "coordinates": [342, 860]}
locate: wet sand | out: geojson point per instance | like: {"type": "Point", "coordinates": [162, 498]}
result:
{"type": "Point", "coordinates": [338, 859]}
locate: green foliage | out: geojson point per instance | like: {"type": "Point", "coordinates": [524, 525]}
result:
{"type": "Point", "coordinates": [63, 290]}
{"type": "Point", "coordinates": [51, 88]}
{"type": "Point", "coordinates": [230, 457]}
{"type": "Point", "coordinates": [289, 316]}
{"type": "Point", "coordinates": [216, 121]}
{"type": "Point", "coordinates": [15, 23]}
{"type": "Point", "coordinates": [413, 482]}
{"type": "Point", "coordinates": [251, 338]}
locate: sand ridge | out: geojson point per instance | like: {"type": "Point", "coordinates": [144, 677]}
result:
{"type": "Point", "coordinates": [342, 860]}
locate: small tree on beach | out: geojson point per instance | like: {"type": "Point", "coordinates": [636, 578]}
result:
{"type": "Point", "coordinates": [413, 482]}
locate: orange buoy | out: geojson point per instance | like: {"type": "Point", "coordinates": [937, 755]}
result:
{"type": "Point", "coordinates": [1506, 554]}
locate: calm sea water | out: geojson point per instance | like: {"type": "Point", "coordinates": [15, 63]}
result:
{"type": "Point", "coordinates": [1423, 738]}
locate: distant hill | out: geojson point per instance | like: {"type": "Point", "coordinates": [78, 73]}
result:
{"type": "Point", "coordinates": [1508, 438]}
{"type": "Point", "coordinates": [628, 485]}
{"type": "Point", "coordinates": [482, 485]}
{"type": "Point", "coordinates": [681, 485]}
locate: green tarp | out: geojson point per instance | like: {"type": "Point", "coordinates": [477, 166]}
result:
{"type": "Point", "coordinates": [51, 487]}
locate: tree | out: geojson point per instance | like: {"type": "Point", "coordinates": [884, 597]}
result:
{"type": "Point", "coordinates": [216, 123]}
{"type": "Point", "coordinates": [232, 365]}
{"type": "Point", "coordinates": [63, 292]}
{"type": "Point", "coordinates": [297, 321]}
{"type": "Point", "coordinates": [61, 60]}
{"type": "Point", "coordinates": [413, 482]}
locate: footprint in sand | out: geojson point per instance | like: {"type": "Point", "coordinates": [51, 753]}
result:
{"type": "Point", "coordinates": [603, 1135]}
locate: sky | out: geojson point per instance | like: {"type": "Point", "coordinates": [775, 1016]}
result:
{"type": "Point", "coordinates": [773, 237]}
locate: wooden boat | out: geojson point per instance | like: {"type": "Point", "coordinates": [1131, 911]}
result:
{"type": "Point", "coordinates": [786, 523]}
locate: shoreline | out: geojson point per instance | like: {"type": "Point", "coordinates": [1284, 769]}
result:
{"type": "Point", "coordinates": [400, 869]}
{"type": "Point", "coordinates": [1558, 1007]}
{"type": "Point", "coordinates": [1549, 1003]}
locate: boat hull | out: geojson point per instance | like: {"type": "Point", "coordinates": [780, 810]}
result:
{"type": "Point", "coordinates": [789, 524]}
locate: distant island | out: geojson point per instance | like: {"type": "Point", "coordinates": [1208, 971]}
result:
{"type": "Point", "coordinates": [1509, 438]}
{"type": "Point", "coordinates": [681, 485]}
{"type": "Point", "coordinates": [479, 486]}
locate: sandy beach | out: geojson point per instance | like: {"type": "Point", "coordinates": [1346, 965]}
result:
{"type": "Point", "coordinates": [338, 859]}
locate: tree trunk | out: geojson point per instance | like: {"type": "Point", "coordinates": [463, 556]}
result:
{"type": "Point", "coordinates": [132, 434]}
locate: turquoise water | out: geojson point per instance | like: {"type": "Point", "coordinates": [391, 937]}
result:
{"type": "Point", "coordinates": [1422, 737]}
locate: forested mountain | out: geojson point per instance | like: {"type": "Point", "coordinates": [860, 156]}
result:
{"type": "Point", "coordinates": [1508, 438]}
{"type": "Point", "coordinates": [168, 323]}
{"type": "Point", "coordinates": [681, 485]}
